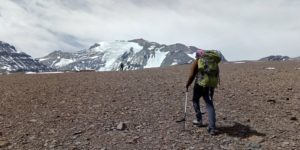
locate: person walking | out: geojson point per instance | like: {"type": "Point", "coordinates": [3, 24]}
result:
{"type": "Point", "coordinates": [121, 66]}
{"type": "Point", "coordinates": [205, 71]}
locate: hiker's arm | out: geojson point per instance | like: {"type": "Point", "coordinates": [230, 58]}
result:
{"type": "Point", "coordinates": [193, 73]}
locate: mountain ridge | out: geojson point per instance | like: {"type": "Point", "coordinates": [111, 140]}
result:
{"type": "Point", "coordinates": [13, 60]}
{"type": "Point", "coordinates": [279, 58]}
{"type": "Point", "coordinates": [135, 54]}
{"type": "Point", "coordinates": [275, 58]}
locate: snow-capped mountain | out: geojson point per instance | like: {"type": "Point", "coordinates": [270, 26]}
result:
{"type": "Point", "coordinates": [13, 60]}
{"type": "Point", "coordinates": [134, 54]}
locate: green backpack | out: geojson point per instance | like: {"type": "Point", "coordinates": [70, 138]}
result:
{"type": "Point", "coordinates": [209, 69]}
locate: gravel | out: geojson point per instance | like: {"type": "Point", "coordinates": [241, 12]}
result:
{"type": "Point", "coordinates": [83, 110]}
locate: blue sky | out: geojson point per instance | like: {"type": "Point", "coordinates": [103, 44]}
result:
{"type": "Point", "coordinates": [241, 29]}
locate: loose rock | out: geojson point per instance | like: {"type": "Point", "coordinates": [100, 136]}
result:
{"type": "Point", "coordinates": [4, 144]}
{"type": "Point", "coordinates": [33, 120]}
{"type": "Point", "coordinates": [272, 101]}
{"type": "Point", "coordinates": [253, 145]}
{"type": "Point", "coordinates": [293, 118]}
{"type": "Point", "coordinates": [121, 126]}
{"type": "Point", "coordinates": [256, 139]}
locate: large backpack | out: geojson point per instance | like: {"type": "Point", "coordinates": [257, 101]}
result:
{"type": "Point", "coordinates": [209, 69]}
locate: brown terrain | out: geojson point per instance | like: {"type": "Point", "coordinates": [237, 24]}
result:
{"type": "Point", "coordinates": [257, 108]}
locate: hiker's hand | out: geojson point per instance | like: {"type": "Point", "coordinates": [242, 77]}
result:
{"type": "Point", "coordinates": [187, 88]}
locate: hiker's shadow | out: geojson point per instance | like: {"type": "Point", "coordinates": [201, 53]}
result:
{"type": "Point", "coordinates": [239, 130]}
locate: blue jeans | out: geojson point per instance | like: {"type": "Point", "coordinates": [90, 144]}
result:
{"type": "Point", "coordinates": [207, 93]}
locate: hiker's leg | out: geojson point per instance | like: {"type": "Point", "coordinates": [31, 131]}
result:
{"type": "Point", "coordinates": [211, 94]}
{"type": "Point", "coordinates": [210, 108]}
{"type": "Point", "coordinates": [196, 96]}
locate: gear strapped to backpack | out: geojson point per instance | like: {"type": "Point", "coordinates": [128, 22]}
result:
{"type": "Point", "coordinates": [209, 69]}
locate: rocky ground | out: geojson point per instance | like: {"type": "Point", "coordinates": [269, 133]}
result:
{"type": "Point", "coordinates": [257, 107]}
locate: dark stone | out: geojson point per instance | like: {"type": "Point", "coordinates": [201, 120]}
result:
{"type": "Point", "coordinates": [293, 118]}
{"type": "Point", "coordinates": [272, 101]}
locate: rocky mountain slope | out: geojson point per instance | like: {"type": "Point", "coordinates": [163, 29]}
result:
{"type": "Point", "coordinates": [256, 109]}
{"type": "Point", "coordinates": [275, 58]}
{"type": "Point", "coordinates": [13, 60]}
{"type": "Point", "coordinates": [279, 58]}
{"type": "Point", "coordinates": [134, 54]}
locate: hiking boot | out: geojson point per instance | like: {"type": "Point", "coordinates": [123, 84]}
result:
{"type": "Point", "coordinates": [212, 131]}
{"type": "Point", "coordinates": [197, 123]}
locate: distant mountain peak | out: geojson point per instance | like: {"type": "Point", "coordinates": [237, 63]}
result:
{"type": "Point", "coordinates": [7, 47]}
{"type": "Point", "coordinates": [275, 58]}
{"type": "Point", "coordinates": [134, 54]}
{"type": "Point", "coordinates": [140, 41]}
{"type": "Point", "coordinates": [94, 46]}
{"type": "Point", "coordinates": [12, 60]}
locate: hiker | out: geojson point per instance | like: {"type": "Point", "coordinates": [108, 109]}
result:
{"type": "Point", "coordinates": [128, 65]}
{"type": "Point", "coordinates": [205, 71]}
{"type": "Point", "coordinates": [121, 66]}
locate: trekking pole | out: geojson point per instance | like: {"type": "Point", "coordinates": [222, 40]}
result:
{"type": "Point", "coordinates": [185, 107]}
{"type": "Point", "coordinates": [185, 103]}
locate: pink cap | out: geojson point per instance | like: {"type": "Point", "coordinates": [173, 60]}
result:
{"type": "Point", "coordinates": [200, 53]}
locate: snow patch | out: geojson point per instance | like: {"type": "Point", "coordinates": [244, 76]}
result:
{"type": "Point", "coordinates": [6, 68]}
{"type": "Point", "coordinates": [76, 68]}
{"type": "Point", "coordinates": [42, 59]}
{"type": "Point", "coordinates": [174, 63]}
{"type": "Point", "coordinates": [156, 60]}
{"type": "Point", "coordinates": [94, 57]}
{"type": "Point", "coordinates": [113, 50]}
{"type": "Point", "coordinates": [42, 72]}
{"type": "Point", "coordinates": [270, 68]}
{"type": "Point", "coordinates": [192, 55]}
{"type": "Point", "coordinates": [151, 47]}
{"type": "Point", "coordinates": [63, 62]}
{"type": "Point", "coordinates": [49, 72]}
{"type": "Point", "coordinates": [239, 62]}
{"type": "Point", "coordinates": [30, 72]}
